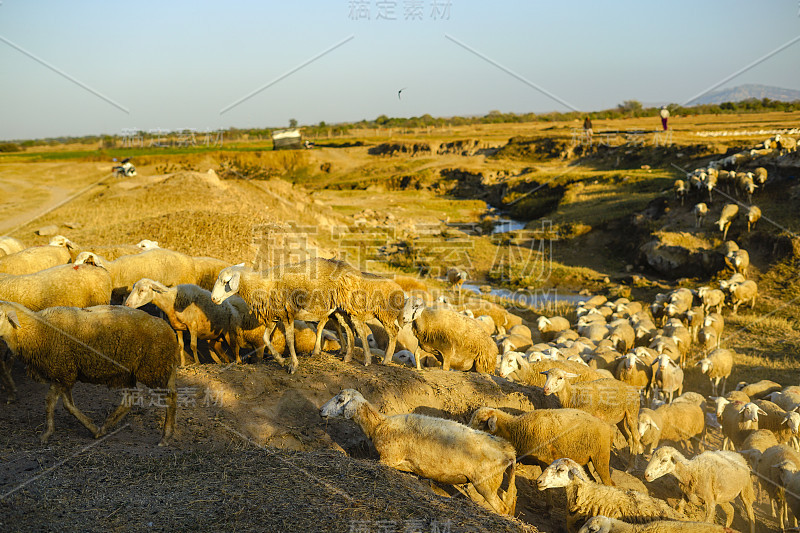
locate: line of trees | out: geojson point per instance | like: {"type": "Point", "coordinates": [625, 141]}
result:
{"type": "Point", "coordinates": [627, 109]}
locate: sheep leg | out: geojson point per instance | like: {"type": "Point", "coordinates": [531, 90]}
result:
{"type": "Point", "coordinates": [340, 326]}
{"type": "Point", "coordinates": [320, 327]}
{"type": "Point", "coordinates": [217, 352]}
{"type": "Point", "coordinates": [446, 358]}
{"type": "Point", "coordinates": [289, 330]}
{"type": "Point", "coordinates": [74, 411]}
{"type": "Point", "coordinates": [114, 418]}
{"type": "Point", "coordinates": [5, 373]}
{"type": "Point", "coordinates": [510, 495]}
{"type": "Point", "coordinates": [268, 331]}
{"type": "Point", "coordinates": [417, 353]}
{"type": "Point", "coordinates": [179, 336]}
{"type": "Point", "coordinates": [488, 488]}
{"type": "Point", "coordinates": [233, 342]}
{"type": "Point", "coordinates": [172, 405]}
{"type": "Point", "coordinates": [50, 409]}
{"type": "Point", "coordinates": [392, 330]}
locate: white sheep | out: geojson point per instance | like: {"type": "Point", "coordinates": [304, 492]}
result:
{"type": "Point", "coordinates": [165, 266]}
{"type": "Point", "coordinates": [700, 212]}
{"type": "Point", "coordinates": [435, 448]}
{"type": "Point", "coordinates": [758, 390]}
{"type": "Point", "coordinates": [717, 366]}
{"type": "Point", "coordinates": [767, 466]}
{"type": "Point", "coordinates": [680, 190]}
{"type": "Point", "coordinates": [711, 298]}
{"type": "Point", "coordinates": [738, 260]}
{"type": "Point", "coordinates": [726, 217]}
{"type": "Point", "coordinates": [586, 498]}
{"type": "Point", "coordinates": [738, 419]}
{"type": "Point", "coordinates": [608, 399]}
{"type": "Point", "coordinates": [753, 215]}
{"type": "Point", "coordinates": [744, 292]}
{"type": "Point", "coordinates": [190, 308]}
{"type": "Point", "coordinates": [110, 345]}
{"type": "Point", "coordinates": [604, 524]}
{"type": "Point", "coordinates": [679, 422]}
{"type": "Point", "coordinates": [710, 479]}
{"type": "Point", "coordinates": [745, 185]}
{"type": "Point", "coordinates": [457, 340]}
{"type": "Point", "coordinates": [34, 259]}
{"type": "Point", "coordinates": [549, 327]}
{"type": "Point", "coordinates": [10, 245]}
{"type": "Point", "coordinates": [667, 377]}
{"type": "Point", "coordinates": [785, 424]}
{"type": "Point", "coordinates": [549, 434]}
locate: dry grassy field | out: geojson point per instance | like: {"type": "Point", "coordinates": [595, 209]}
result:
{"type": "Point", "coordinates": [252, 452]}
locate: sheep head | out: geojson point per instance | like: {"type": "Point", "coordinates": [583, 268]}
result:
{"type": "Point", "coordinates": [345, 404]}
{"type": "Point", "coordinates": [143, 292]}
{"type": "Point", "coordinates": [60, 240]}
{"type": "Point", "coordinates": [556, 380]}
{"type": "Point", "coordinates": [9, 321]}
{"type": "Point", "coordinates": [792, 419]}
{"type": "Point", "coordinates": [484, 419]}
{"type": "Point", "coordinates": [705, 364]}
{"type": "Point", "coordinates": [646, 423]}
{"type": "Point", "coordinates": [227, 283]}
{"type": "Point", "coordinates": [90, 258]}
{"type": "Point", "coordinates": [146, 244]}
{"type": "Point", "coordinates": [542, 322]}
{"type": "Point", "coordinates": [598, 524]}
{"type": "Point", "coordinates": [510, 362]}
{"type": "Point", "coordinates": [662, 463]}
{"type": "Point", "coordinates": [411, 310]}
{"type": "Point", "coordinates": [559, 474]}
{"type": "Point", "coordinates": [719, 404]}
{"type": "Point", "coordinates": [750, 412]}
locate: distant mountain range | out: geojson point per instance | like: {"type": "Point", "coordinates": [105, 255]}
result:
{"type": "Point", "coordinates": [743, 92]}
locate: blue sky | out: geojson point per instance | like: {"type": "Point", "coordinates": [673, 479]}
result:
{"type": "Point", "coordinates": [178, 64]}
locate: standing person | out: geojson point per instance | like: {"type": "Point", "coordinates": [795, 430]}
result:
{"type": "Point", "coordinates": [664, 116]}
{"type": "Point", "coordinates": [587, 128]}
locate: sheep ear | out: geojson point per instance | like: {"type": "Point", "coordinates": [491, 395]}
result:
{"type": "Point", "coordinates": [762, 412]}
{"type": "Point", "coordinates": [239, 265]}
{"type": "Point", "coordinates": [491, 423]}
{"type": "Point", "coordinates": [12, 317]}
{"type": "Point", "coordinates": [570, 375]}
{"type": "Point", "coordinates": [655, 425]}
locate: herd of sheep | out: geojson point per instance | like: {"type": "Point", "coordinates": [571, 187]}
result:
{"type": "Point", "coordinates": [72, 314]}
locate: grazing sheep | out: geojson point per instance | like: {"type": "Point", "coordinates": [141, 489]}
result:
{"type": "Point", "coordinates": [62, 285]}
{"type": "Point", "coordinates": [759, 390]}
{"type": "Point", "coordinates": [34, 259]}
{"type": "Point", "coordinates": [680, 190]}
{"type": "Point", "coordinates": [709, 183]}
{"type": "Point", "coordinates": [190, 308]}
{"type": "Point", "coordinates": [604, 524]}
{"type": "Point", "coordinates": [633, 371]}
{"type": "Point", "coordinates": [456, 278]}
{"type": "Point", "coordinates": [586, 498]}
{"type": "Point", "coordinates": [717, 366]}
{"type": "Point", "coordinates": [753, 215]}
{"type": "Point", "coordinates": [725, 284]}
{"type": "Point", "coordinates": [760, 176]}
{"type": "Point", "coordinates": [110, 253]}
{"type": "Point", "coordinates": [434, 448]}
{"type": "Point", "coordinates": [607, 399]}
{"type": "Point", "coordinates": [518, 369]}
{"type": "Point", "coordinates": [785, 424]}
{"type": "Point", "coordinates": [745, 186]}
{"type": "Point", "coordinates": [109, 345]}
{"type": "Point", "coordinates": [550, 327]}
{"type": "Point", "coordinates": [679, 422]}
{"type": "Point", "coordinates": [165, 266]}
{"type": "Point", "coordinates": [708, 339]}
{"type": "Point", "coordinates": [667, 378]}
{"type": "Point", "coordinates": [550, 434]}
{"type": "Point", "coordinates": [790, 479]}
{"type": "Point", "coordinates": [715, 320]}
{"type": "Point", "coordinates": [700, 212]}
{"type": "Point", "coordinates": [783, 144]}
{"type": "Point", "coordinates": [744, 292]}
{"type": "Point", "coordinates": [501, 317]}
{"type": "Point", "coordinates": [726, 217]}
{"type": "Point", "coordinates": [521, 329]}
{"type": "Point", "coordinates": [10, 245]}
{"type": "Point", "coordinates": [711, 479]}
{"type": "Point", "coordinates": [738, 260]}
{"type": "Point", "coordinates": [308, 290]}
{"type": "Point", "coordinates": [738, 419]}
{"type": "Point", "coordinates": [711, 298]}
{"type": "Point", "coordinates": [768, 465]}
{"type": "Point", "coordinates": [622, 335]}
{"type": "Point", "coordinates": [455, 339]}
{"type": "Point", "coordinates": [785, 399]}
{"type": "Point", "coordinates": [759, 439]}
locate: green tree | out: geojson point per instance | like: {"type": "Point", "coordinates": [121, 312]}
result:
{"type": "Point", "coordinates": [292, 122]}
